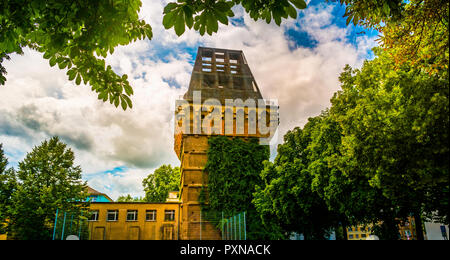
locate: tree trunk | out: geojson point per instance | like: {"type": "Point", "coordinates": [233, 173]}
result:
{"type": "Point", "coordinates": [344, 232]}
{"type": "Point", "coordinates": [419, 227]}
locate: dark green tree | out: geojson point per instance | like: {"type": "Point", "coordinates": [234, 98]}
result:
{"type": "Point", "coordinates": [47, 180]}
{"type": "Point", "coordinates": [395, 133]}
{"type": "Point", "coordinates": [290, 196]}
{"type": "Point", "coordinates": [158, 184]}
{"type": "Point", "coordinates": [306, 192]}
{"type": "Point", "coordinates": [128, 198]}
{"type": "Point", "coordinates": [413, 32]}
{"type": "Point", "coordinates": [8, 185]}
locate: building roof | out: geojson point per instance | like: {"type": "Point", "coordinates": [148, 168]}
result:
{"type": "Point", "coordinates": [222, 74]}
{"type": "Point", "coordinates": [92, 191]}
{"type": "Point", "coordinates": [137, 202]}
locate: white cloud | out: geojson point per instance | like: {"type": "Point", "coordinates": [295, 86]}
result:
{"type": "Point", "coordinates": [121, 183]}
{"type": "Point", "coordinates": [38, 101]}
{"type": "Point", "coordinates": [303, 80]}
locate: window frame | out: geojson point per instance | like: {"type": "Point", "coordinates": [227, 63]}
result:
{"type": "Point", "coordinates": [97, 213]}
{"type": "Point", "coordinates": [134, 213]}
{"type": "Point", "coordinates": [116, 211]}
{"type": "Point", "coordinates": [172, 214]}
{"type": "Point", "coordinates": [147, 213]}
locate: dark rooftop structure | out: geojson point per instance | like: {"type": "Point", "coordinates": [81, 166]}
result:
{"type": "Point", "coordinates": [222, 74]}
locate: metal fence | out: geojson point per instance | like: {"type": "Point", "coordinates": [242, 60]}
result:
{"type": "Point", "coordinates": [234, 227]}
{"type": "Point", "coordinates": [70, 225]}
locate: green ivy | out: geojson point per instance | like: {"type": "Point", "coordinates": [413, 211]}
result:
{"type": "Point", "coordinates": [233, 169]}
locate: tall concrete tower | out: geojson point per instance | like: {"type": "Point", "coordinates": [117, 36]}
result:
{"type": "Point", "coordinates": [221, 75]}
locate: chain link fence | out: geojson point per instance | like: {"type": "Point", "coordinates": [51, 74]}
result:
{"type": "Point", "coordinates": [70, 225]}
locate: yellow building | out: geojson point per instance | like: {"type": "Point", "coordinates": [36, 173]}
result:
{"type": "Point", "coordinates": [3, 236]}
{"type": "Point", "coordinates": [134, 221]}
{"type": "Point", "coordinates": [407, 230]}
{"type": "Point", "coordinates": [358, 232]}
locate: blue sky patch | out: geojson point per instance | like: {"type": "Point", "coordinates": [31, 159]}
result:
{"type": "Point", "coordinates": [116, 170]}
{"type": "Point", "coordinates": [300, 38]}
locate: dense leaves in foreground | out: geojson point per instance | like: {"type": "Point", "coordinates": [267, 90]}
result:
{"type": "Point", "coordinates": [75, 36]}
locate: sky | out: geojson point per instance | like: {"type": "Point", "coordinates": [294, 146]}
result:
{"type": "Point", "coordinates": [297, 64]}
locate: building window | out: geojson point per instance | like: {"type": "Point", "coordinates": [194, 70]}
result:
{"type": "Point", "coordinates": [363, 235]}
{"type": "Point", "coordinates": [150, 215]}
{"type": "Point", "coordinates": [350, 229]}
{"type": "Point", "coordinates": [357, 236]}
{"type": "Point", "coordinates": [350, 236]}
{"type": "Point", "coordinates": [112, 215]}
{"type": "Point", "coordinates": [93, 215]}
{"type": "Point", "coordinates": [132, 215]}
{"type": "Point", "coordinates": [169, 215]}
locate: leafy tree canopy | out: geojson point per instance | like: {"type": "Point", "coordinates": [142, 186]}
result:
{"type": "Point", "coordinates": [414, 32]}
{"type": "Point", "coordinates": [128, 198]}
{"type": "Point", "coordinates": [77, 36]}
{"type": "Point", "coordinates": [395, 125]}
{"type": "Point", "coordinates": [158, 184]}
{"type": "Point", "coordinates": [291, 195]}
{"type": "Point", "coordinates": [47, 179]}
{"type": "Point", "coordinates": [204, 16]}
{"type": "Point", "coordinates": [3, 160]}
{"type": "Point", "coordinates": [7, 187]}
{"type": "Point", "coordinates": [378, 155]}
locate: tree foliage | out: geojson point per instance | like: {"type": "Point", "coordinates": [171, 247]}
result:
{"type": "Point", "coordinates": [204, 16]}
{"type": "Point", "coordinates": [158, 184]}
{"type": "Point", "coordinates": [377, 156]}
{"type": "Point", "coordinates": [293, 194]}
{"type": "Point", "coordinates": [7, 187]}
{"type": "Point", "coordinates": [129, 198]}
{"type": "Point", "coordinates": [47, 180]}
{"type": "Point", "coordinates": [395, 125]}
{"type": "Point", "coordinates": [414, 32]}
{"type": "Point", "coordinates": [76, 36]}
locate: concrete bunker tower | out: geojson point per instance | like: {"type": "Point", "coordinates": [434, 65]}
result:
{"type": "Point", "coordinates": [222, 75]}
